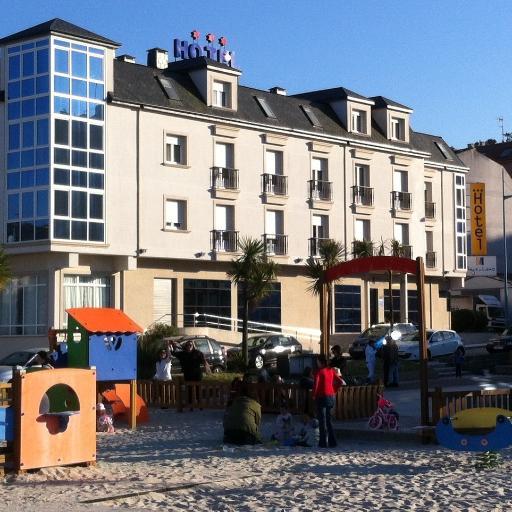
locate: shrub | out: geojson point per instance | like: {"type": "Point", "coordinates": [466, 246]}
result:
{"type": "Point", "coordinates": [468, 320]}
{"type": "Point", "coordinates": [150, 344]}
{"type": "Point", "coordinates": [235, 362]}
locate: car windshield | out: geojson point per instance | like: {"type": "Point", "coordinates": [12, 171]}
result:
{"type": "Point", "coordinates": [375, 332]}
{"type": "Point", "coordinates": [16, 359]}
{"type": "Point", "coordinates": [415, 336]}
{"type": "Point", "coordinates": [256, 341]}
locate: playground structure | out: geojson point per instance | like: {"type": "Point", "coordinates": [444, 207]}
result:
{"type": "Point", "coordinates": [50, 420]}
{"type": "Point", "coordinates": [375, 264]}
{"type": "Point", "coordinates": [105, 338]}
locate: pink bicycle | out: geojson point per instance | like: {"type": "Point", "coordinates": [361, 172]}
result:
{"type": "Point", "coordinates": [384, 416]}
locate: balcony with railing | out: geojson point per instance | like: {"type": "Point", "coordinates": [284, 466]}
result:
{"type": "Point", "coordinates": [362, 195]}
{"type": "Point", "coordinates": [406, 251]}
{"type": "Point", "coordinates": [275, 244]}
{"type": "Point", "coordinates": [430, 259]}
{"type": "Point", "coordinates": [430, 210]}
{"type": "Point", "coordinates": [225, 182]}
{"type": "Point", "coordinates": [314, 246]}
{"type": "Point", "coordinates": [224, 241]}
{"type": "Point", "coordinates": [401, 204]}
{"type": "Point", "coordinates": [320, 193]}
{"type": "Point", "coordinates": [362, 248]}
{"type": "Point", "coordinates": [274, 184]}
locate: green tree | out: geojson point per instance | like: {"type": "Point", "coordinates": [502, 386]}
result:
{"type": "Point", "coordinates": [331, 253]}
{"type": "Point", "coordinates": [5, 269]}
{"type": "Point", "coordinates": [254, 274]}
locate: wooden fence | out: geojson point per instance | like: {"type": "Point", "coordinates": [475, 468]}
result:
{"type": "Point", "coordinates": [352, 402]}
{"type": "Point", "coordinates": [447, 403]}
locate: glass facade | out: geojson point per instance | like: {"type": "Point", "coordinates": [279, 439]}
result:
{"type": "Point", "coordinates": [268, 311]}
{"type": "Point", "coordinates": [23, 306]}
{"type": "Point", "coordinates": [206, 296]}
{"type": "Point", "coordinates": [55, 141]}
{"type": "Point", "coordinates": [28, 142]}
{"type": "Point", "coordinates": [78, 112]}
{"type": "Point", "coordinates": [347, 308]}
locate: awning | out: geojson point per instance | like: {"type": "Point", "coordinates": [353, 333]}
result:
{"type": "Point", "coordinates": [490, 300]}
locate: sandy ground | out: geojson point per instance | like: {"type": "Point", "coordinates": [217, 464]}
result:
{"type": "Point", "coordinates": [180, 449]}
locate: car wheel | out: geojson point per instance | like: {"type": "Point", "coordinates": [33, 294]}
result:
{"type": "Point", "coordinates": [258, 362]}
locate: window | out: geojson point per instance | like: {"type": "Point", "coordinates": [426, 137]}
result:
{"type": "Point", "coordinates": [362, 177]}
{"type": "Point", "coordinates": [221, 94]}
{"type": "Point", "coordinates": [175, 150]}
{"type": "Point", "coordinates": [359, 121]}
{"type": "Point", "coordinates": [401, 232]}
{"type": "Point", "coordinates": [266, 311]}
{"type": "Point", "coordinates": [320, 226]}
{"type": "Point", "coordinates": [362, 230]}
{"type": "Point", "coordinates": [86, 291]}
{"type": "Point", "coordinates": [347, 308]}
{"type": "Point", "coordinates": [23, 306]}
{"type": "Point", "coordinates": [207, 297]}
{"type": "Point", "coordinates": [311, 116]}
{"type": "Point", "coordinates": [175, 214]}
{"type": "Point", "coordinates": [400, 181]}
{"type": "Point", "coordinates": [412, 306]}
{"type": "Point", "coordinates": [273, 162]}
{"type": "Point", "coordinates": [397, 128]}
{"type": "Point", "coordinates": [460, 222]}
{"type": "Point", "coordinates": [262, 102]}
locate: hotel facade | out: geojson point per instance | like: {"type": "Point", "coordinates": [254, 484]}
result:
{"type": "Point", "coordinates": [130, 185]}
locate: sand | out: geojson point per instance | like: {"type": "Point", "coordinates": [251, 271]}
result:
{"type": "Point", "coordinates": [177, 450]}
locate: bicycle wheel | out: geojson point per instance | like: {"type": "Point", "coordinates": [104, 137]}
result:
{"type": "Point", "coordinates": [375, 422]}
{"type": "Point", "coordinates": [392, 422]}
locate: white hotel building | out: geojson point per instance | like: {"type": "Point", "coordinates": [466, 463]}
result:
{"type": "Point", "coordinates": [128, 185]}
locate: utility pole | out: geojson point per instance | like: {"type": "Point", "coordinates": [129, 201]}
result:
{"type": "Point", "coordinates": [500, 122]}
{"type": "Point", "coordinates": [505, 277]}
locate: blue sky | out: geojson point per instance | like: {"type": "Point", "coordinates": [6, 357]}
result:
{"type": "Point", "coordinates": [447, 59]}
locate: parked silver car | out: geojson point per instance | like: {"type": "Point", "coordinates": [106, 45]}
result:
{"type": "Point", "coordinates": [440, 343]}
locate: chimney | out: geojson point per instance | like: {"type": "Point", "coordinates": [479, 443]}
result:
{"type": "Point", "coordinates": [278, 90]}
{"type": "Point", "coordinates": [126, 58]}
{"type": "Point", "coordinates": [158, 58]}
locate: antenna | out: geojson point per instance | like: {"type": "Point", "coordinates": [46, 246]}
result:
{"type": "Point", "coordinates": [500, 123]}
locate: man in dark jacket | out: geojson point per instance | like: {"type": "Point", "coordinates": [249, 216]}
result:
{"type": "Point", "coordinates": [391, 358]}
{"type": "Point", "coordinates": [191, 361]}
{"type": "Point", "coordinates": [192, 364]}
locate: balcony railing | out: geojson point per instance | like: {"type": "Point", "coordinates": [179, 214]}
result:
{"type": "Point", "coordinates": [224, 178]}
{"type": "Point", "coordinates": [224, 241]}
{"type": "Point", "coordinates": [430, 210]}
{"type": "Point", "coordinates": [362, 196]}
{"type": "Point", "coordinates": [276, 244]}
{"type": "Point", "coordinates": [406, 251]}
{"type": "Point", "coordinates": [401, 200]}
{"type": "Point", "coordinates": [314, 246]}
{"type": "Point", "coordinates": [362, 248]}
{"type": "Point", "coordinates": [274, 184]}
{"type": "Point", "coordinates": [320, 190]}
{"type": "Point", "coordinates": [430, 259]}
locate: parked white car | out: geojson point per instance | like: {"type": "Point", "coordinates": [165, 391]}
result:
{"type": "Point", "coordinates": [440, 343]}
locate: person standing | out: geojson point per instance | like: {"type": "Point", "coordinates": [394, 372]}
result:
{"type": "Point", "coordinates": [192, 364]}
{"type": "Point", "coordinates": [393, 359]}
{"type": "Point", "coordinates": [337, 360]}
{"type": "Point", "coordinates": [163, 366]}
{"type": "Point", "coordinates": [370, 354]}
{"type": "Point", "coordinates": [327, 383]}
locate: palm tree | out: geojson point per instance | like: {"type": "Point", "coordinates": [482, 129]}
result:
{"type": "Point", "coordinates": [5, 269]}
{"type": "Point", "coordinates": [254, 274]}
{"type": "Point", "coordinates": [331, 254]}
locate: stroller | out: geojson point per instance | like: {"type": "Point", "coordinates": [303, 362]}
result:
{"type": "Point", "coordinates": [384, 416]}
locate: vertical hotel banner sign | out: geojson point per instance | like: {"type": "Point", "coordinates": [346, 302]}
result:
{"type": "Point", "coordinates": [478, 225]}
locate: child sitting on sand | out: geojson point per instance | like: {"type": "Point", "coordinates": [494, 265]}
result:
{"type": "Point", "coordinates": [308, 433]}
{"type": "Point", "coordinates": [104, 422]}
{"type": "Point", "coordinates": [284, 427]}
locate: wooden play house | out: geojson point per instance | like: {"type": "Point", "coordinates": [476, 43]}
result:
{"type": "Point", "coordinates": [106, 338]}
